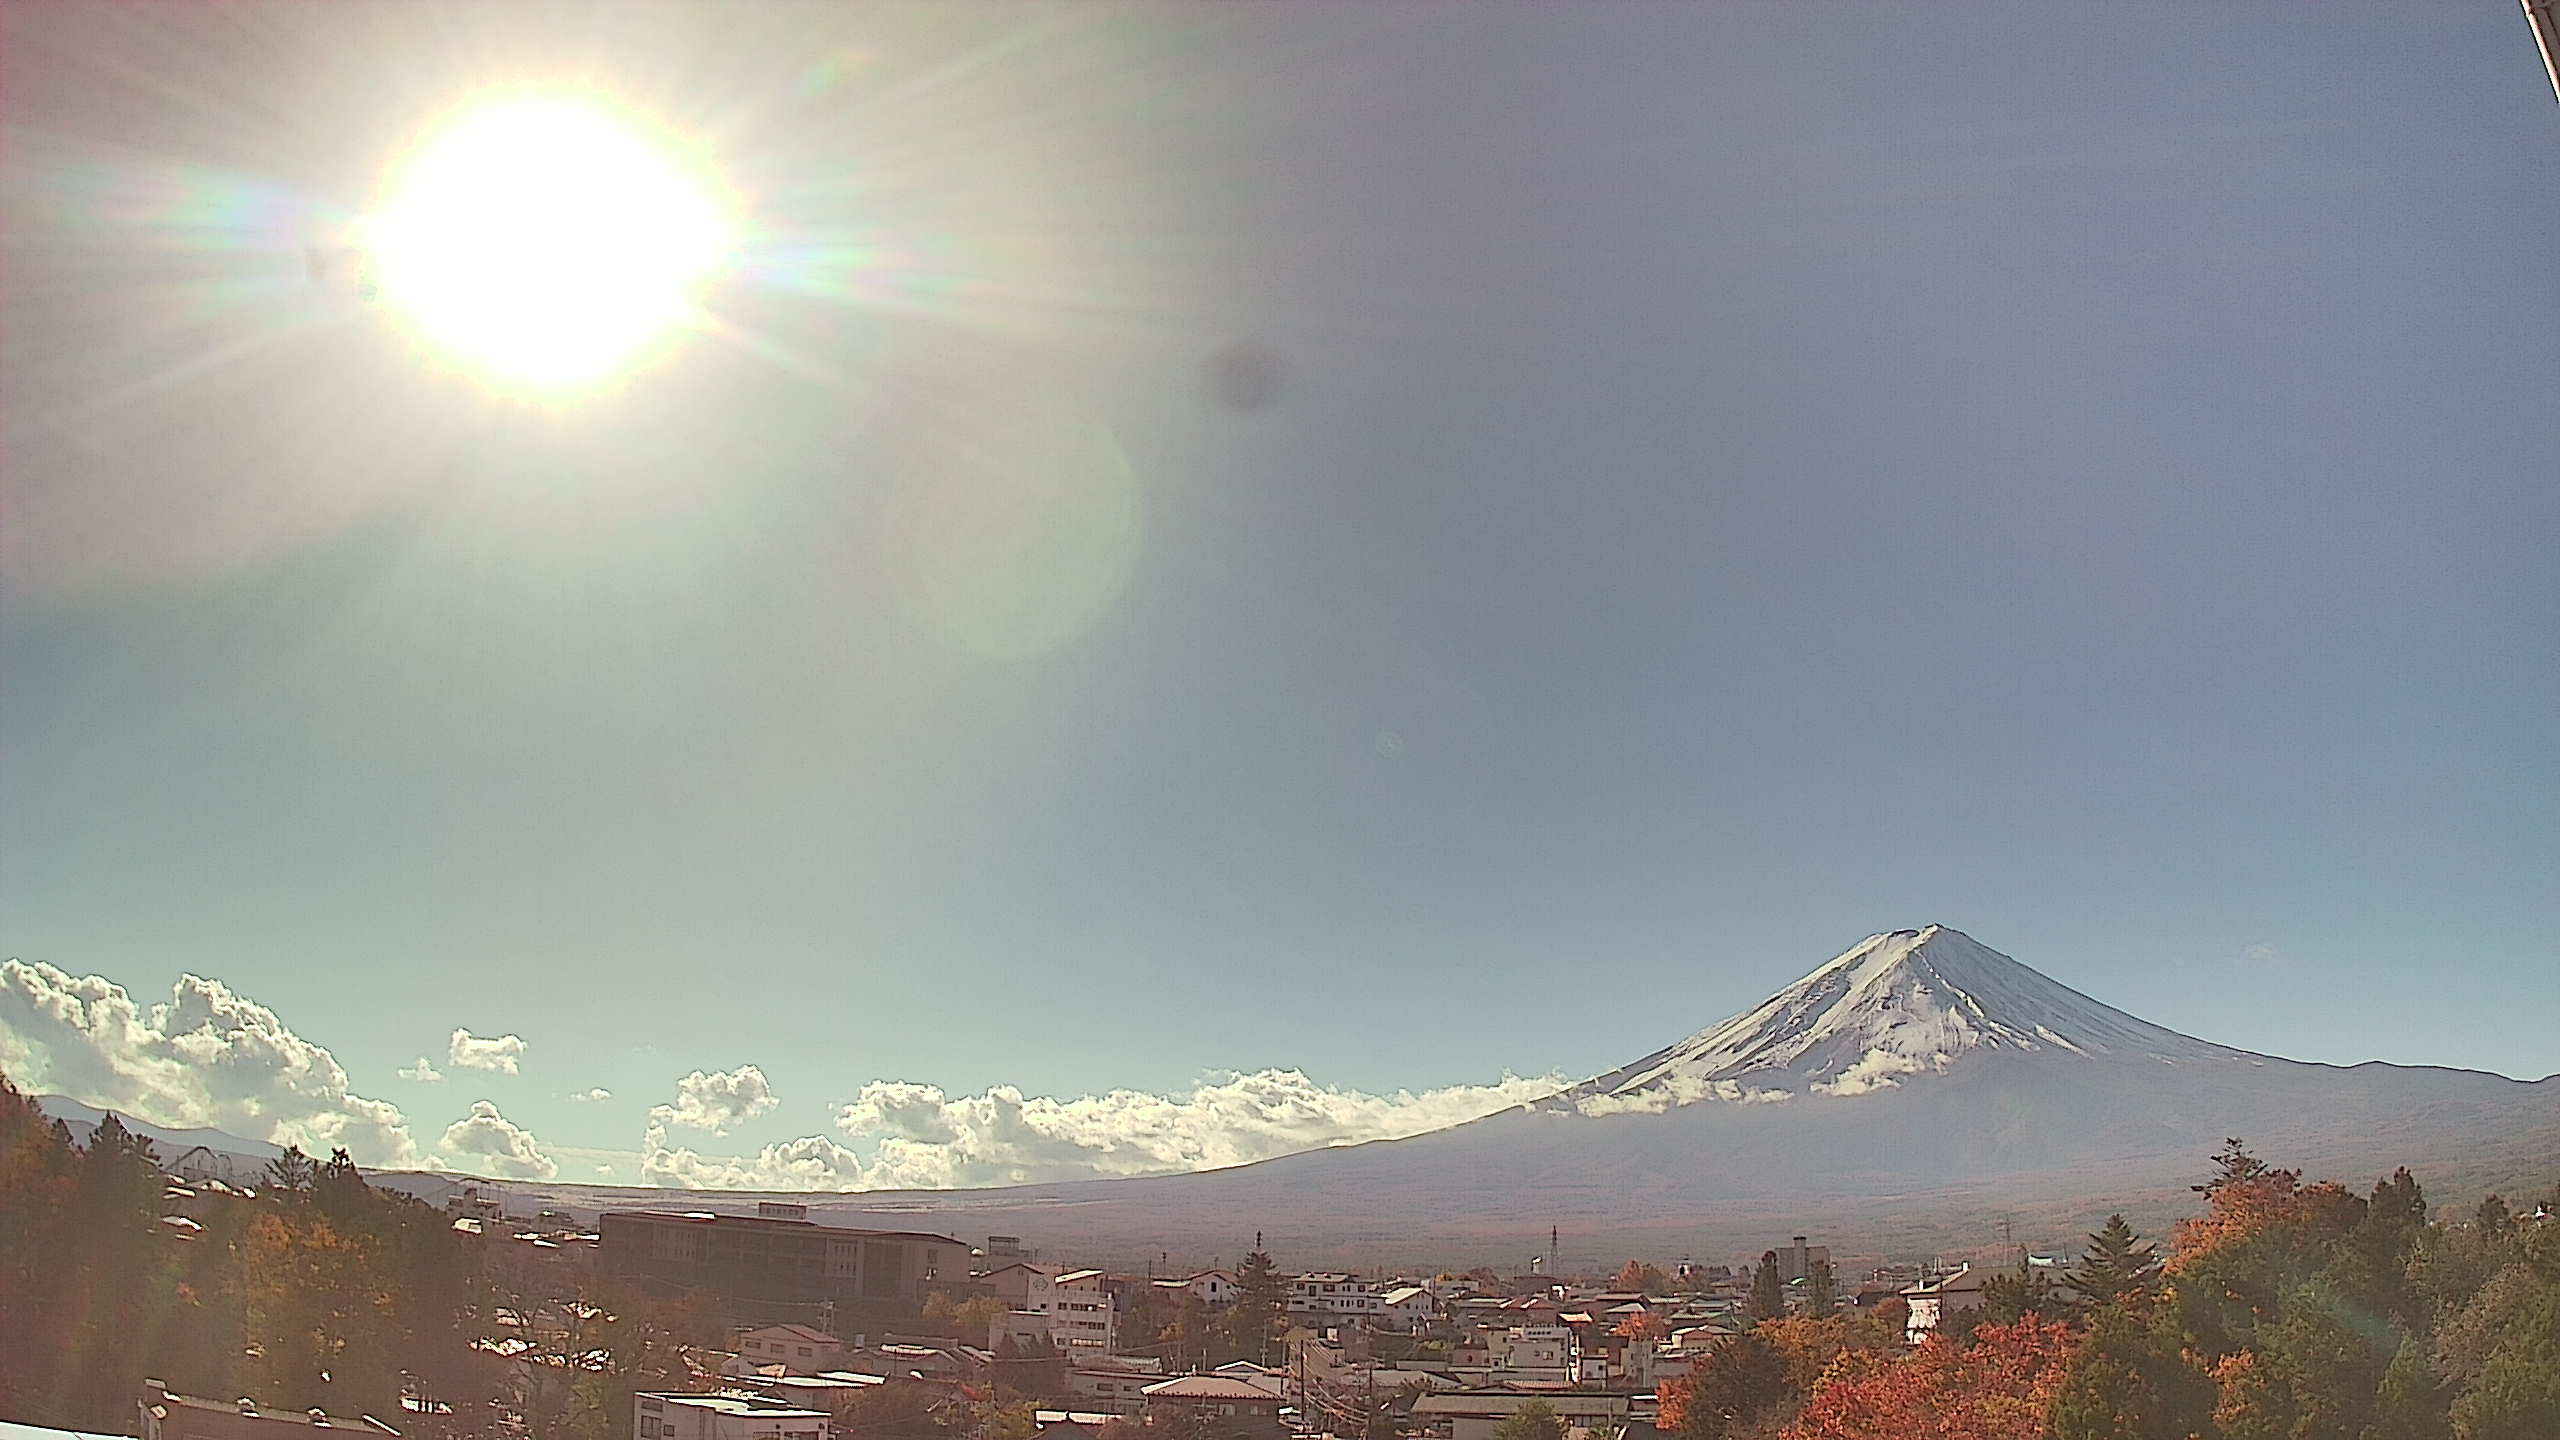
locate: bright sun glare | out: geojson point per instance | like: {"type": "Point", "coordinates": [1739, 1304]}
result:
{"type": "Point", "coordinates": [545, 243]}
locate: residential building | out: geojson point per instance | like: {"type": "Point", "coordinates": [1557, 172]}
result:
{"type": "Point", "coordinates": [1212, 1288]}
{"type": "Point", "coordinates": [168, 1415]}
{"type": "Point", "coordinates": [798, 1349]}
{"type": "Point", "coordinates": [780, 1254]}
{"type": "Point", "coordinates": [1408, 1307]}
{"type": "Point", "coordinates": [1243, 1405]}
{"type": "Point", "coordinates": [1473, 1414]}
{"type": "Point", "coordinates": [1938, 1301]}
{"type": "Point", "coordinates": [660, 1415]}
{"type": "Point", "coordinates": [1120, 1389]}
{"type": "Point", "coordinates": [1531, 1348]}
{"type": "Point", "coordinates": [1330, 1293]}
{"type": "Point", "coordinates": [1083, 1313]}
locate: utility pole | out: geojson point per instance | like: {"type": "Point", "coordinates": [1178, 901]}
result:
{"type": "Point", "coordinates": [2544, 17]}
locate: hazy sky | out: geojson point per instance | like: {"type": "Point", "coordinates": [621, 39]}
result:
{"type": "Point", "coordinates": [1728, 480]}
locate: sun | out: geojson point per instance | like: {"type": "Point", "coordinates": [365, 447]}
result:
{"type": "Point", "coordinates": [546, 244]}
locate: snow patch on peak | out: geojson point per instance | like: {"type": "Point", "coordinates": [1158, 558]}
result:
{"type": "Point", "coordinates": [1896, 1005]}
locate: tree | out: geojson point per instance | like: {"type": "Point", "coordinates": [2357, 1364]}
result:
{"type": "Point", "coordinates": [1768, 1292]}
{"type": "Point", "coordinates": [2027, 1290]}
{"type": "Point", "coordinates": [1536, 1420]}
{"type": "Point", "coordinates": [1821, 1299]}
{"type": "Point", "coordinates": [1999, 1386]}
{"type": "Point", "coordinates": [1253, 1322]}
{"type": "Point", "coordinates": [2127, 1381]}
{"type": "Point", "coordinates": [291, 1172]}
{"type": "Point", "coordinates": [2233, 1165]}
{"type": "Point", "coordinates": [2116, 1268]}
{"type": "Point", "coordinates": [2517, 1395]}
{"type": "Point", "coordinates": [1736, 1385]}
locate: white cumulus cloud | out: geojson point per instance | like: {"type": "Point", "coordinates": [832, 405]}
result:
{"type": "Point", "coordinates": [812, 1162]}
{"type": "Point", "coordinates": [498, 1054]}
{"type": "Point", "coordinates": [489, 1143]}
{"type": "Point", "coordinates": [592, 1096]}
{"type": "Point", "coordinates": [928, 1140]}
{"type": "Point", "coordinates": [207, 1057]}
{"type": "Point", "coordinates": [715, 1100]}
{"type": "Point", "coordinates": [424, 1070]}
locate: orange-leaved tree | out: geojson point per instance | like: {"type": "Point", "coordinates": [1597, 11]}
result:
{"type": "Point", "coordinates": [1997, 1387]}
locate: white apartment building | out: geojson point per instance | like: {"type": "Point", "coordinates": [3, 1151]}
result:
{"type": "Point", "coordinates": [1332, 1293]}
{"type": "Point", "coordinates": [1083, 1317]}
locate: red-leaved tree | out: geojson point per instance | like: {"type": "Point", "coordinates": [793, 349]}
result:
{"type": "Point", "coordinates": [1996, 1387]}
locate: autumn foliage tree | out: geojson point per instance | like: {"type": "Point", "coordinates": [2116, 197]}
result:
{"type": "Point", "coordinates": [1998, 1385]}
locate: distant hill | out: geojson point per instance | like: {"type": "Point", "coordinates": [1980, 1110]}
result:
{"type": "Point", "coordinates": [244, 1158]}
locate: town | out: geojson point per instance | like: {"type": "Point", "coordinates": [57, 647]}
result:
{"type": "Point", "coordinates": [166, 1300]}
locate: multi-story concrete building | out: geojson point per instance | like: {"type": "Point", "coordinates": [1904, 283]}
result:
{"type": "Point", "coordinates": [1083, 1315]}
{"type": "Point", "coordinates": [779, 1254]}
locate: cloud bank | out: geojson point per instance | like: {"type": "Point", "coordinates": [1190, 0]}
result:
{"type": "Point", "coordinates": [211, 1057]}
{"type": "Point", "coordinates": [207, 1057]}
{"type": "Point", "coordinates": [1003, 1137]}
{"type": "Point", "coordinates": [927, 1139]}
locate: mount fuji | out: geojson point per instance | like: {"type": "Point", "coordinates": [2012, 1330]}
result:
{"type": "Point", "coordinates": [1918, 1090]}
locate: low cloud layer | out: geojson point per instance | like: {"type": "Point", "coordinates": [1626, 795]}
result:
{"type": "Point", "coordinates": [1002, 1137]}
{"type": "Point", "coordinates": [926, 1139]}
{"type": "Point", "coordinates": [210, 1057]}
{"type": "Point", "coordinates": [207, 1057]}
{"type": "Point", "coordinates": [485, 1142]}
{"type": "Point", "coordinates": [497, 1054]}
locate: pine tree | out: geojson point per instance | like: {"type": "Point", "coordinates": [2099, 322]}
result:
{"type": "Point", "coordinates": [1255, 1317]}
{"type": "Point", "coordinates": [1768, 1292]}
{"type": "Point", "coordinates": [2232, 1166]}
{"type": "Point", "coordinates": [2127, 1382]}
{"type": "Point", "coordinates": [292, 1171]}
{"type": "Point", "coordinates": [2114, 1268]}
{"type": "Point", "coordinates": [1821, 1293]}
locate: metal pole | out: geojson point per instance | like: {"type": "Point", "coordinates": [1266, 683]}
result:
{"type": "Point", "coordinates": [2544, 17]}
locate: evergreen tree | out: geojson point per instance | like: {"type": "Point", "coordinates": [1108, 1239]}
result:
{"type": "Point", "coordinates": [1821, 1293]}
{"type": "Point", "coordinates": [2128, 1382]}
{"type": "Point", "coordinates": [2233, 1166]}
{"type": "Point", "coordinates": [1254, 1320]}
{"type": "Point", "coordinates": [2027, 1290]}
{"type": "Point", "coordinates": [1739, 1382]}
{"type": "Point", "coordinates": [291, 1172]}
{"type": "Point", "coordinates": [1768, 1292]}
{"type": "Point", "coordinates": [2115, 1268]}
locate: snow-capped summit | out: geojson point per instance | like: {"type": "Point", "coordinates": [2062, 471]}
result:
{"type": "Point", "coordinates": [1904, 1003]}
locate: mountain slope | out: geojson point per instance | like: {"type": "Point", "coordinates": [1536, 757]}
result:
{"type": "Point", "coordinates": [1912, 1092]}
{"type": "Point", "coordinates": [1904, 1003]}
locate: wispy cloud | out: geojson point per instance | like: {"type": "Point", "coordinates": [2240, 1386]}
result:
{"type": "Point", "coordinates": [594, 1096]}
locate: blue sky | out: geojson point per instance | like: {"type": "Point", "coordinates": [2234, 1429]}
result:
{"type": "Point", "coordinates": [1738, 481]}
